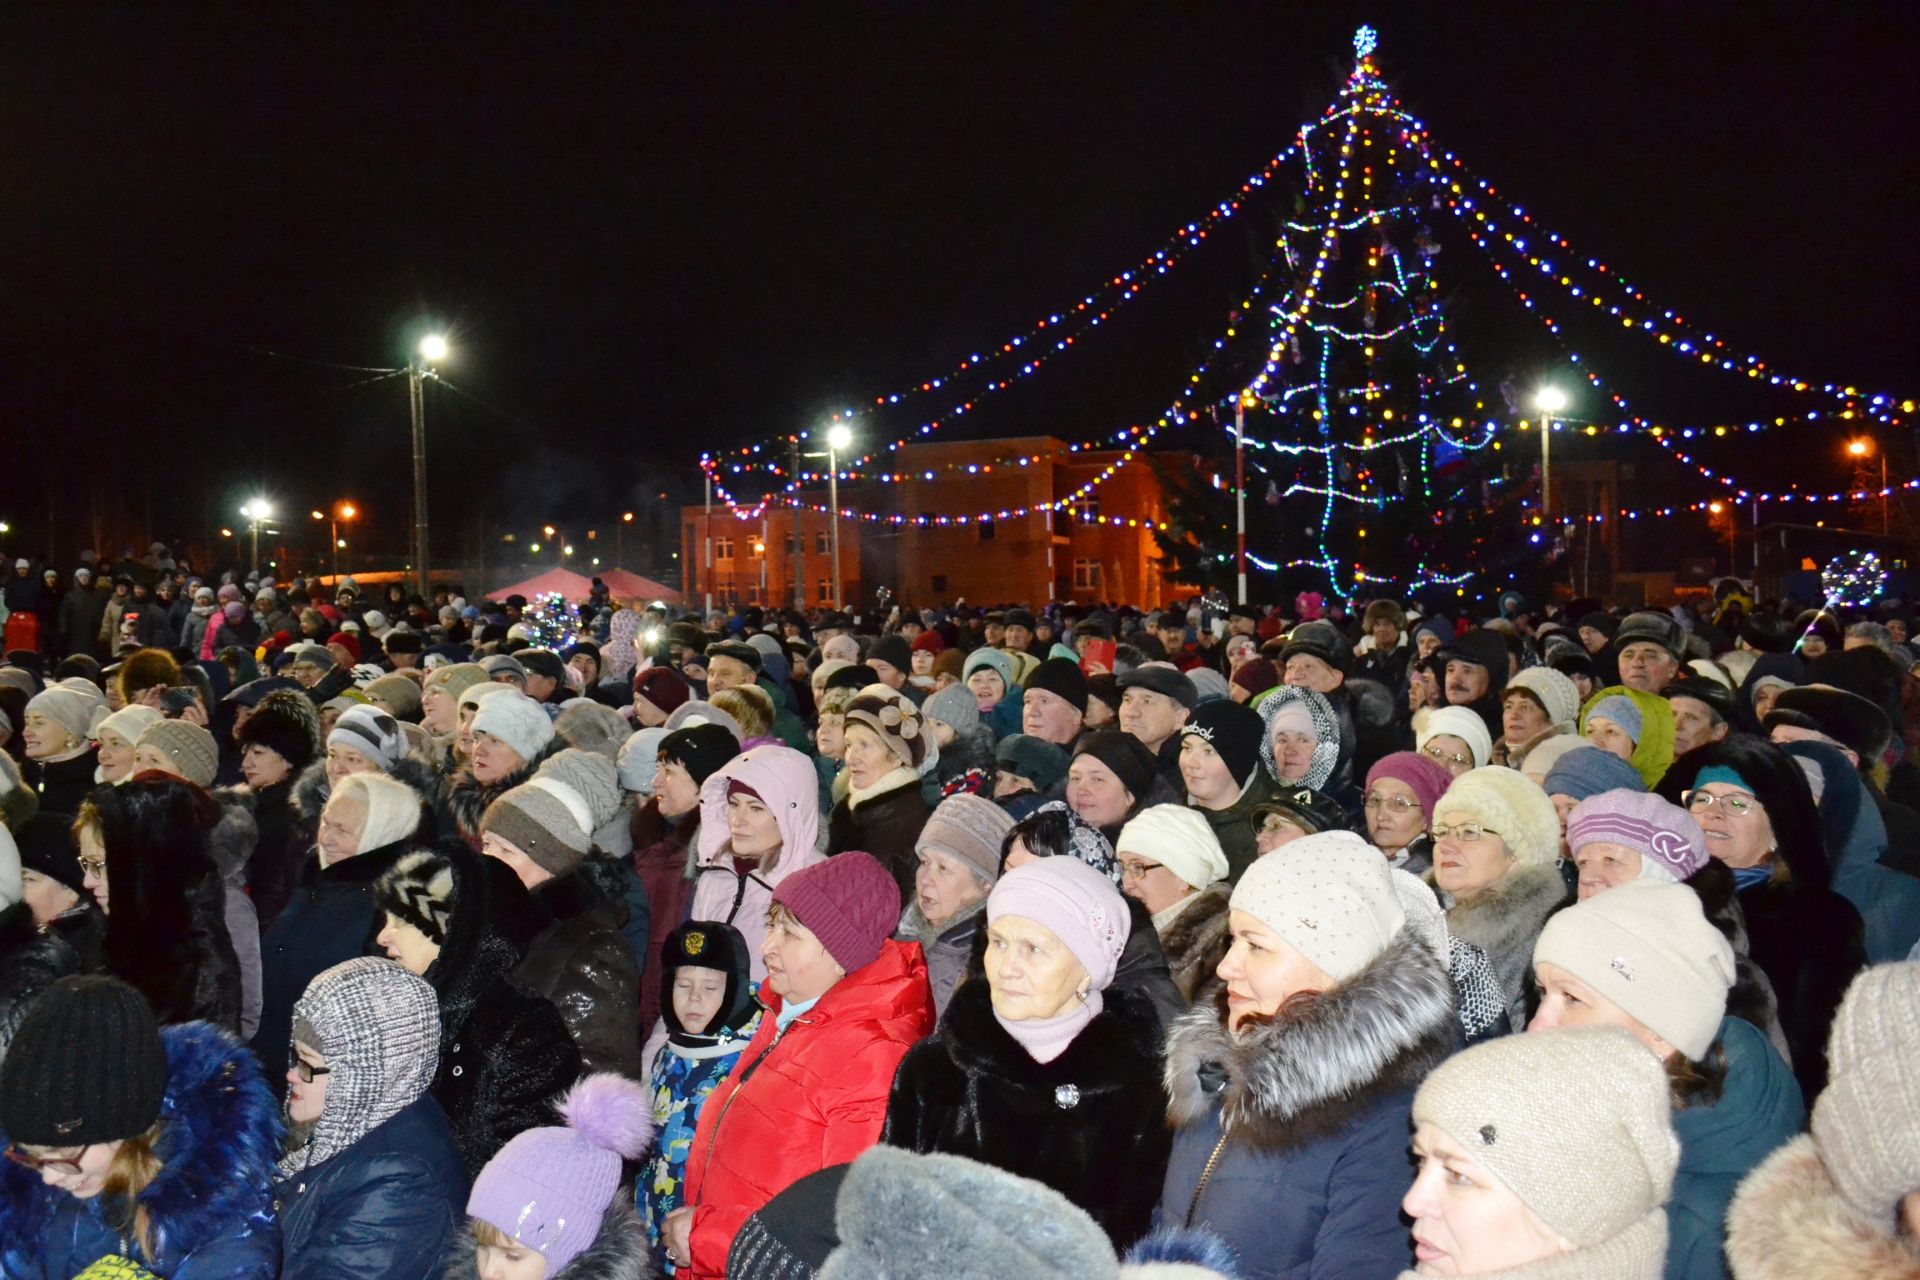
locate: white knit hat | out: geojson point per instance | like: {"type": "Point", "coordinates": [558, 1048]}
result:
{"type": "Point", "coordinates": [1329, 895]}
{"type": "Point", "coordinates": [1505, 801]}
{"type": "Point", "coordinates": [1866, 1125]}
{"type": "Point", "coordinates": [1650, 950]}
{"type": "Point", "coordinates": [1556, 693]}
{"type": "Point", "coordinates": [1576, 1123]}
{"type": "Point", "coordinates": [1462, 724]}
{"type": "Point", "coordinates": [516, 720]}
{"type": "Point", "coordinates": [129, 722]}
{"type": "Point", "coordinates": [71, 709]}
{"type": "Point", "coordinates": [1177, 838]}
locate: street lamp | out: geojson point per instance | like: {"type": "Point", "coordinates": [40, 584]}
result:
{"type": "Point", "coordinates": [838, 438]}
{"type": "Point", "coordinates": [256, 510]}
{"type": "Point", "coordinates": [1862, 447]}
{"type": "Point", "coordinates": [1549, 400]}
{"type": "Point", "coordinates": [433, 349]}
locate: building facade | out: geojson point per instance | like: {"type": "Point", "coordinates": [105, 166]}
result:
{"type": "Point", "coordinates": [952, 521]}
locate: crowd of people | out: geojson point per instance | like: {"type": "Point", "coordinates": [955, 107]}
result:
{"type": "Point", "coordinates": [394, 936]}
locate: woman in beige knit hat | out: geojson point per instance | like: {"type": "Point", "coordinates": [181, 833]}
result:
{"type": "Point", "coordinates": [1543, 1157]}
{"type": "Point", "coordinates": [1843, 1203]}
{"type": "Point", "coordinates": [883, 810]}
{"type": "Point", "coordinates": [1496, 839]}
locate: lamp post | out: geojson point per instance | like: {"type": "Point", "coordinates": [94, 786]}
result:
{"type": "Point", "coordinates": [433, 349]}
{"type": "Point", "coordinates": [838, 438]}
{"type": "Point", "coordinates": [256, 510]}
{"type": "Point", "coordinates": [1549, 400]}
{"type": "Point", "coordinates": [1862, 448]}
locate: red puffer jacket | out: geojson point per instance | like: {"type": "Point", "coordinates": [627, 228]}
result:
{"type": "Point", "coordinates": [803, 1100]}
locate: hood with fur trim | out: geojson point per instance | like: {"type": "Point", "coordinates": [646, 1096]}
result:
{"type": "Point", "coordinates": [1789, 1222]}
{"type": "Point", "coordinates": [619, 1250]}
{"type": "Point", "coordinates": [217, 1155]}
{"type": "Point", "coordinates": [1297, 1079]}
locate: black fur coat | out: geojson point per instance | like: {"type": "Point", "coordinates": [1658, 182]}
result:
{"type": "Point", "coordinates": [1197, 941]}
{"type": "Point", "coordinates": [1091, 1124]}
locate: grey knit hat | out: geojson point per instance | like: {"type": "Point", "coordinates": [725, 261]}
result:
{"type": "Point", "coordinates": [592, 727]}
{"type": "Point", "coordinates": [373, 733]}
{"type": "Point", "coordinates": [970, 828]}
{"type": "Point", "coordinates": [1591, 1170]}
{"type": "Point", "coordinates": [192, 749]}
{"type": "Point", "coordinates": [954, 706]}
{"type": "Point", "coordinates": [1866, 1124]}
{"type": "Point", "coordinates": [516, 720]}
{"type": "Point", "coordinates": [552, 817]}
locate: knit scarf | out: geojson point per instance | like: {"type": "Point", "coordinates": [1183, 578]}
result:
{"type": "Point", "coordinates": [1045, 1039]}
{"type": "Point", "coordinates": [899, 776]}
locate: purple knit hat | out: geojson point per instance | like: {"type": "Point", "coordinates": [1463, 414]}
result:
{"type": "Point", "coordinates": [548, 1188]}
{"type": "Point", "coordinates": [1079, 905]}
{"type": "Point", "coordinates": [850, 902]}
{"type": "Point", "coordinates": [1656, 829]}
{"type": "Point", "coordinates": [1421, 772]}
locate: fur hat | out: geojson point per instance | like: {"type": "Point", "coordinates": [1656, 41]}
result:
{"type": "Point", "coordinates": [1482, 648]}
{"type": "Point", "coordinates": [1503, 801]}
{"type": "Point", "coordinates": [420, 889]}
{"type": "Point", "coordinates": [286, 723]}
{"type": "Point", "coordinates": [1179, 839]}
{"type": "Point", "coordinates": [1320, 640]}
{"type": "Point", "coordinates": [1330, 895]}
{"type": "Point", "coordinates": [1590, 1171]}
{"type": "Point", "coordinates": [1651, 626]}
{"type": "Point", "coordinates": [894, 719]}
{"type": "Point", "coordinates": [1650, 950]}
{"type": "Point", "coordinates": [1866, 1124]}
{"type": "Point", "coordinates": [195, 755]}
{"type": "Point", "coordinates": [517, 720]}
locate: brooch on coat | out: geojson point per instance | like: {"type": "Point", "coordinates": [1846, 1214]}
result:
{"type": "Point", "coordinates": [1067, 1097]}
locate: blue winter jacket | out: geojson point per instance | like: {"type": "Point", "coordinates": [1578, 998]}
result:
{"type": "Point", "coordinates": [1758, 1111]}
{"type": "Point", "coordinates": [1856, 836]}
{"type": "Point", "coordinates": [1292, 1139]}
{"type": "Point", "coordinates": [383, 1209]}
{"type": "Point", "coordinates": [210, 1204]}
{"type": "Point", "coordinates": [680, 1086]}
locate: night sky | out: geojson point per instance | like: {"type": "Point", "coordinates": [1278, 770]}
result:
{"type": "Point", "coordinates": [653, 229]}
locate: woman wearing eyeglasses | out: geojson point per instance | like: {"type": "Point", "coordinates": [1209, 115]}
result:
{"type": "Point", "coordinates": [1402, 792]}
{"type": "Point", "coordinates": [1752, 801]}
{"type": "Point", "coordinates": [128, 1141]}
{"type": "Point", "coordinates": [1496, 839]}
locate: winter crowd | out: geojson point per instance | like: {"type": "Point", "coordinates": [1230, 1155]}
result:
{"type": "Point", "coordinates": [394, 937]}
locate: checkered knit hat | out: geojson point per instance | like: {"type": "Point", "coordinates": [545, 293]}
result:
{"type": "Point", "coordinates": [378, 1027]}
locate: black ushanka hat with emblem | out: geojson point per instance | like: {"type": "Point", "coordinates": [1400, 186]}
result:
{"type": "Point", "coordinates": [708, 944]}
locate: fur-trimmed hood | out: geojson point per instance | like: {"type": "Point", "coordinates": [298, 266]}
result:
{"type": "Point", "coordinates": [1789, 1222]}
{"type": "Point", "coordinates": [1299, 1078]}
{"type": "Point", "coordinates": [217, 1152]}
{"type": "Point", "coordinates": [618, 1252]}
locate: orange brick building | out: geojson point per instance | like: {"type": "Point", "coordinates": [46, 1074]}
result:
{"type": "Point", "coordinates": [1098, 546]}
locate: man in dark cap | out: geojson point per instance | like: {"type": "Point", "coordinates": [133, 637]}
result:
{"type": "Point", "coordinates": [1474, 673]}
{"type": "Point", "coordinates": [1018, 637]}
{"type": "Point", "coordinates": [1702, 712]}
{"type": "Point", "coordinates": [1317, 657]}
{"type": "Point", "coordinates": [1156, 699]}
{"type": "Point", "coordinates": [1649, 648]}
{"type": "Point", "coordinates": [731, 665]}
{"type": "Point", "coordinates": [892, 661]}
{"type": "Point", "coordinates": [546, 677]}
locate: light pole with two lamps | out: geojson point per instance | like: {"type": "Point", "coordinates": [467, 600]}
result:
{"type": "Point", "coordinates": [342, 511]}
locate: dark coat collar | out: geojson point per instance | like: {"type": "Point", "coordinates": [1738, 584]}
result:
{"type": "Point", "coordinates": [1118, 1049]}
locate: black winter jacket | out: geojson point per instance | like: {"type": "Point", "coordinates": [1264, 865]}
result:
{"type": "Point", "coordinates": [580, 961]}
{"type": "Point", "coordinates": [1091, 1124]}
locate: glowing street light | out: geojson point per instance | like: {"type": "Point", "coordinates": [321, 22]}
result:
{"type": "Point", "coordinates": [839, 438]}
{"type": "Point", "coordinates": [1549, 400]}
{"type": "Point", "coordinates": [1859, 448]}
{"type": "Point", "coordinates": [256, 510]}
{"type": "Point", "coordinates": [1862, 447]}
{"type": "Point", "coordinates": [433, 349]}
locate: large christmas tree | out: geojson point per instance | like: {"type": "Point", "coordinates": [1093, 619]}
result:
{"type": "Point", "coordinates": [1366, 442]}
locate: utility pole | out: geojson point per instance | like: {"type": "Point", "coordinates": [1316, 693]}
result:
{"type": "Point", "coordinates": [1240, 491]}
{"type": "Point", "coordinates": [706, 526]}
{"type": "Point", "coordinates": [417, 402]}
{"type": "Point", "coordinates": [799, 563]}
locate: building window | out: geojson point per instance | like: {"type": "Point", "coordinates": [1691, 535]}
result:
{"type": "Point", "coordinates": [940, 584]}
{"type": "Point", "coordinates": [1086, 575]}
{"type": "Point", "coordinates": [1087, 507]}
{"type": "Point", "coordinates": [826, 591]}
{"type": "Point", "coordinates": [789, 544]}
{"type": "Point", "coordinates": [820, 543]}
{"type": "Point", "coordinates": [723, 548]}
{"type": "Point", "coordinates": [986, 530]}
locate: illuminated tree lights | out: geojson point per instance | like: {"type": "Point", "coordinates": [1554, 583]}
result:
{"type": "Point", "coordinates": [549, 622]}
{"type": "Point", "coordinates": [1854, 578]}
